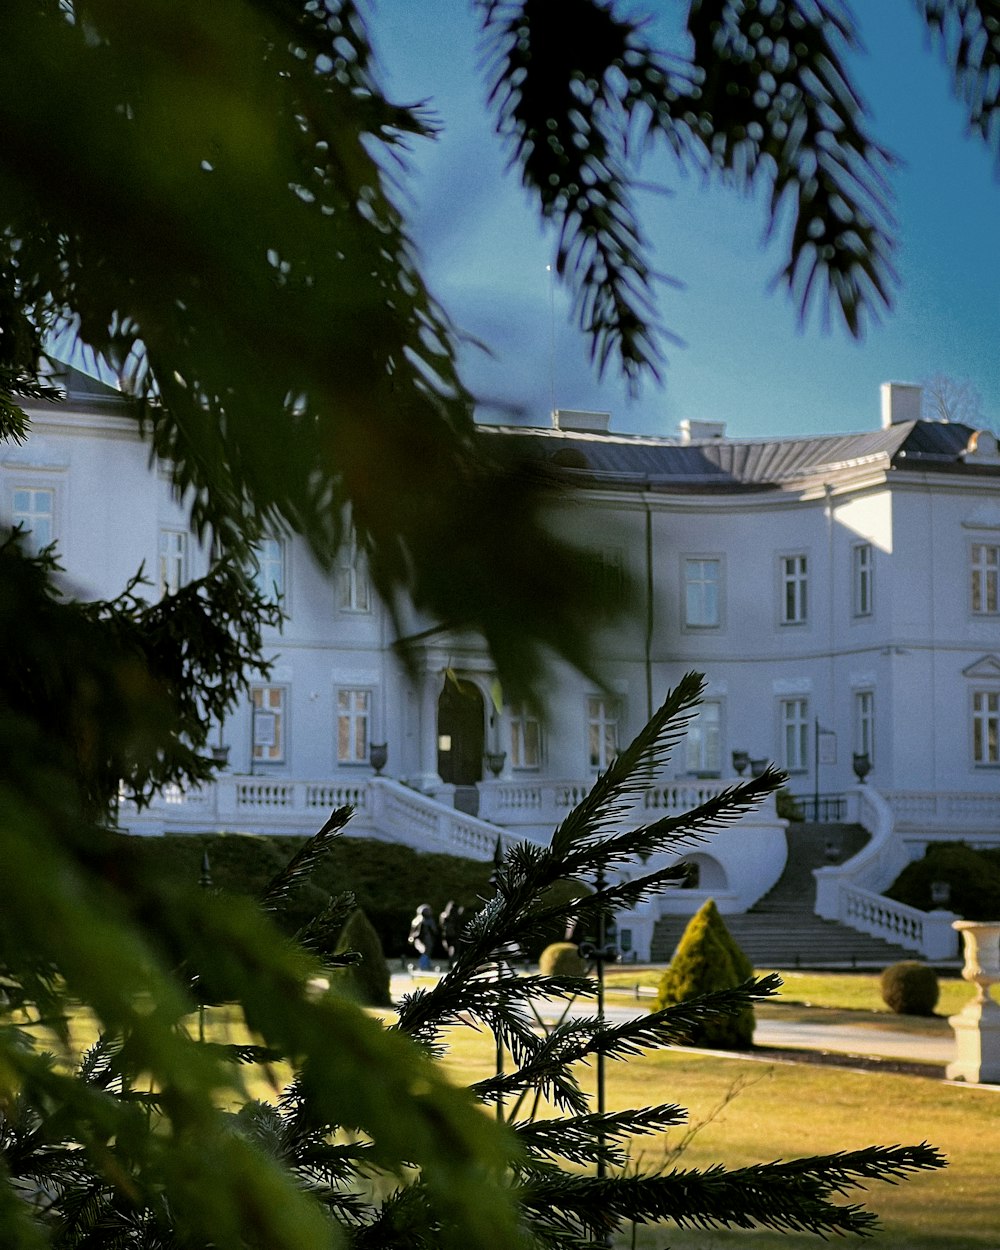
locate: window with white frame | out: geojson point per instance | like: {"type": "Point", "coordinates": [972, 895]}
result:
{"type": "Point", "coordinates": [985, 571]}
{"type": "Point", "coordinates": [353, 720]}
{"type": "Point", "coordinates": [986, 726]}
{"type": "Point", "coordinates": [703, 741]}
{"type": "Point", "coordinates": [268, 572]}
{"type": "Point", "coordinates": [795, 734]}
{"type": "Point", "coordinates": [354, 586]}
{"type": "Point", "coordinates": [863, 579]}
{"type": "Point", "coordinates": [525, 738]}
{"type": "Point", "coordinates": [267, 715]}
{"type": "Point", "coordinates": [34, 511]}
{"type": "Point", "coordinates": [603, 716]}
{"type": "Point", "coordinates": [610, 580]}
{"type": "Point", "coordinates": [794, 590]}
{"type": "Point", "coordinates": [864, 723]}
{"type": "Point", "coordinates": [173, 561]}
{"type": "Point", "coordinates": [702, 587]}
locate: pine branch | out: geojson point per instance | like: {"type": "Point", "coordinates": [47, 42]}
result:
{"type": "Point", "coordinates": [632, 770]}
{"type": "Point", "coordinates": [300, 867]}
{"type": "Point", "coordinates": [585, 1138]}
{"type": "Point", "coordinates": [787, 1197]}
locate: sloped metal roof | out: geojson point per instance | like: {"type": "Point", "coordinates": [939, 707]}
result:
{"type": "Point", "coordinates": [741, 464]}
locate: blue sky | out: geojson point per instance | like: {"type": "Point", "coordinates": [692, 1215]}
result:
{"type": "Point", "coordinates": [744, 360]}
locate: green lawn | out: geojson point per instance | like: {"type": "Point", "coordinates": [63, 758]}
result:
{"type": "Point", "coordinates": [755, 1111]}
{"type": "Point", "coordinates": [779, 1111]}
{"type": "Point", "coordinates": [844, 991]}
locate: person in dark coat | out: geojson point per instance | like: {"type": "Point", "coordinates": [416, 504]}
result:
{"type": "Point", "coordinates": [423, 935]}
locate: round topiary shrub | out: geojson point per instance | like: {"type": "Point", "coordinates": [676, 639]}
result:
{"type": "Point", "coordinates": [910, 988]}
{"type": "Point", "coordinates": [561, 959]}
{"type": "Point", "coordinates": [707, 958]}
{"type": "Point", "coordinates": [366, 982]}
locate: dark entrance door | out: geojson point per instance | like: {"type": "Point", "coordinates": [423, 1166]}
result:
{"type": "Point", "coordinates": [461, 728]}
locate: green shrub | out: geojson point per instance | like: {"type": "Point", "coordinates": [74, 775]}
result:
{"type": "Point", "coordinates": [973, 877]}
{"type": "Point", "coordinates": [366, 982]}
{"type": "Point", "coordinates": [562, 959]}
{"type": "Point", "coordinates": [910, 988]}
{"type": "Point", "coordinates": [707, 958]}
{"type": "Point", "coordinates": [786, 805]}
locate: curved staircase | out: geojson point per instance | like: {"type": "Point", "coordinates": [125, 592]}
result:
{"type": "Point", "coordinates": [781, 930]}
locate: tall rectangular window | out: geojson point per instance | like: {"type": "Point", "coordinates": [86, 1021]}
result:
{"type": "Point", "coordinates": [863, 584]}
{"type": "Point", "coordinates": [703, 742]}
{"type": "Point", "coordinates": [269, 571]}
{"type": "Point", "coordinates": [525, 738]}
{"type": "Point", "coordinates": [34, 512]}
{"type": "Point", "coordinates": [986, 726]}
{"type": "Point", "coordinates": [701, 593]}
{"type": "Point", "coordinates": [353, 720]}
{"type": "Point", "coordinates": [864, 724]}
{"type": "Point", "coordinates": [268, 723]}
{"type": "Point", "coordinates": [985, 570]}
{"type": "Point", "coordinates": [610, 580]}
{"type": "Point", "coordinates": [354, 587]}
{"type": "Point", "coordinates": [602, 731]}
{"type": "Point", "coordinates": [173, 561]}
{"type": "Point", "coordinates": [795, 734]}
{"type": "Point", "coordinates": [794, 590]}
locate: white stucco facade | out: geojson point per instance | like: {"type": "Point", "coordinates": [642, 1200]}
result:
{"type": "Point", "coordinates": [847, 584]}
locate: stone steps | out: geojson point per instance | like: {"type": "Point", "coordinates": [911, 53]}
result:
{"type": "Point", "coordinates": [781, 930]}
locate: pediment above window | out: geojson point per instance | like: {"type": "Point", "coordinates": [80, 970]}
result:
{"type": "Point", "coordinates": [988, 666]}
{"type": "Point", "coordinates": [985, 517]}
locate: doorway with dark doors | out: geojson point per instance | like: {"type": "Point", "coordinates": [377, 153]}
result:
{"type": "Point", "coordinates": [461, 740]}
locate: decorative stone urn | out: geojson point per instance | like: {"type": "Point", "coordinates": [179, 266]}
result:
{"type": "Point", "coordinates": [977, 1026]}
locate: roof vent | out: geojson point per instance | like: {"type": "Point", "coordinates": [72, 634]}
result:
{"type": "Point", "coordinates": [580, 421]}
{"type": "Point", "coordinates": [702, 431]}
{"type": "Point", "coordinates": [901, 401]}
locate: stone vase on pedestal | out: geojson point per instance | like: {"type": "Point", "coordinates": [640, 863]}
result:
{"type": "Point", "coordinates": [977, 1026]}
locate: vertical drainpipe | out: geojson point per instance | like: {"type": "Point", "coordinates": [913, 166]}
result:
{"type": "Point", "coordinates": [831, 693]}
{"type": "Point", "coordinates": [650, 610]}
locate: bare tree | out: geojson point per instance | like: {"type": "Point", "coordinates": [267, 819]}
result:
{"type": "Point", "coordinates": [952, 399]}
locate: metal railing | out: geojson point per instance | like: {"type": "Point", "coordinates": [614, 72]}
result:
{"type": "Point", "coordinates": [823, 808]}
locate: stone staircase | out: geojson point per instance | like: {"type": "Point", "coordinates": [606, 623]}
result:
{"type": "Point", "coordinates": [782, 930]}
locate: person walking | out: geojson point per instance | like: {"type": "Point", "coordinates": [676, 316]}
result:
{"type": "Point", "coordinates": [423, 935]}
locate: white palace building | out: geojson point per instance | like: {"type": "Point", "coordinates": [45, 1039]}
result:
{"type": "Point", "coordinates": [841, 593]}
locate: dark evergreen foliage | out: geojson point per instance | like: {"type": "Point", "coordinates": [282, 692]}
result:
{"type": "Point", "coordinates": [117, 1184]}
{"type": "Point", "coordinates": [971, 874]}
{"type": "Point", "coordinates": [223, 228]}
{"type": "Point", "coordinates": [708, 959]}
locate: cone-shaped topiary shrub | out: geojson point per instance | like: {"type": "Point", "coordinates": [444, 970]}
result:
{"type": "Point", "coordinates": [367, 982]}
{"type": "Point", "coordinates": [561, 959]}
{"type": "Point", "coordinates": [707, 958]}
{"type": "Point", "coordinates": [910, 988]}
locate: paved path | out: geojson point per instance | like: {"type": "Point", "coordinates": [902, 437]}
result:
{"type": "Point", "coordinates": [845, 1039]}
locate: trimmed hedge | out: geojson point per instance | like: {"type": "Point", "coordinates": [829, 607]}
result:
{"type": "Point", "coordinates": [910, 988]}
{"type": "Point", "coordinates": [973, 875]}
{"type": "Point", "coordinates": [707, 958]}
{"type": "Point", "coordinates": [562, 959]}
{"type": "Point", "coordinates": [388, 881]}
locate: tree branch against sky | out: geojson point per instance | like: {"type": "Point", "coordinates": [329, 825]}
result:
{"type": "Point", "coordinates": [210, 195]}
{"type": "Point", "coordinates": [299, 364]}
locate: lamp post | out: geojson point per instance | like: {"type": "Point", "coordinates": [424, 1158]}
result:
{"type": "Point", "coordinates": [205, 881]}
{"type": "Point", "coordinates": [599, 953]}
